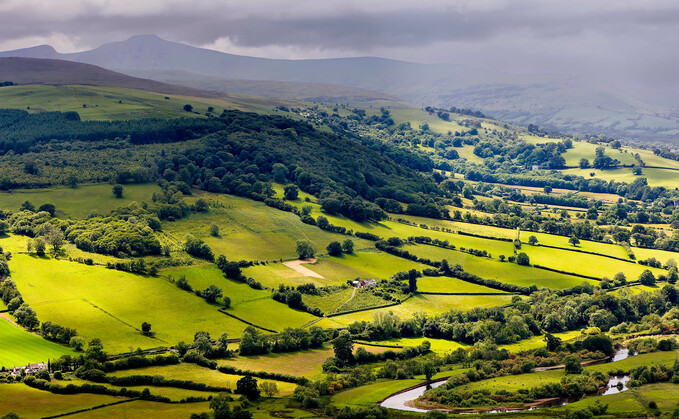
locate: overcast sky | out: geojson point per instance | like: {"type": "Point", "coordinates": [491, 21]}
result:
{"type": "Point", "coordinates": [608, 39]}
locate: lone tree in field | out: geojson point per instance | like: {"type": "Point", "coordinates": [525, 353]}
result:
{"type": "Point", "coordinates": [214, 230]}
{"type": "Point", "coordinates": [574, 241]}
{"type": "Point", "coordinates": [523, 259]}
{"type": "Point", "coordinates": [304, 249]}
{"type": "Point", "coordinates": [532, 240]}
{"type": "Point", "coordinates": [269, 388]}
{"type": "Point", "coordinates": [188, 108]}
{"type": "Point", "coordinates": [547, 189]}
{"type": "Point", "coordinates": [647, 277]}
{"type": "Point", "coordinates": [227, 302]}
{"type": "Point", "coordinates": [118, 191]}
{"type": "Point", "coordinates": [211, 293]}
{"type": "Point", "coordinates": [334, 249]}
{"type": "Point", "coordinates": [247, 386]}
{"type": "Point", "coordinates": [146, 328]}
{"type": "Point", "coordinates": [429, 370]}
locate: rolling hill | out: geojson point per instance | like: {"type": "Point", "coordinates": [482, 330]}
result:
{"type": "Point", "coordinates": [558, 102]}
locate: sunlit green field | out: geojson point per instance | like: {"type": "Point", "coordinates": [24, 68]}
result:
{"type": "Point", "coordinates": [112, 305]}
{"type": "Point", "coordinates": [141, 409]}
{"type": "Point", "coordinates": [31, 403]}
{"type": "Point", "coordinates": [18, 347]}
{"type": "Point", "coordinates": [251, 230]}
{"type": "Point", "coordinates": [78, 202]}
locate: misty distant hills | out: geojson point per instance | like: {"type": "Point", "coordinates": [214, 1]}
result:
{"type": "Point", "coordinates": [21, 70]}
{"type": "Point", "coordinates": [565, 103]}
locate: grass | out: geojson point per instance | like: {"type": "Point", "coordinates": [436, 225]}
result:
{"type": "Point", "coordinates": [31, 403]}
{"type": "Point", "coordinates": [535, 342]}
{"type": "Point", "coordinates": [328, 302]}
{"type": "Point", "coordinates": [251, 230]}
{"type": "Point", "coordinates": [112, 103]}
{"type": "Point", "coordinates": [655, 177]}
{"type": "Point", "coordinates": [363, 299]}
{"type": "Point", "coordinates": [19, 347]}
{"type": "Point", "coordinates": [583, 263]}
{"type": "Point", "coordinates": [430, 304]}
{"type": "Point", "coordinates": [110, 304]}
{"type": "Point", "coordinates": [437, 345]}
{"type": "Point", "coordinates": [78, 202]}
{"type": "Point", "coordinates": [140, 409]}
{"type": "Point", "coordinates": [509, 273]}
{"type": "Point", "coordinates": [198, 374]}
{"type": "Point", "coordinates": [373, 393]}
{"type": "Point", "coordinates": [252, 305]}
{"type": "Point", "coordinates": [335, 270]}
{"type": "Point", "coordinates": [173, 393]}
{"type": "Point", "coordinates": [450, 285]}
{"type": "Point", "coordinates": [562, 241]}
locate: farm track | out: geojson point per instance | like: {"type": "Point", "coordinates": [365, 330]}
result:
{"type": "Point", "coordinates": [120, 320]}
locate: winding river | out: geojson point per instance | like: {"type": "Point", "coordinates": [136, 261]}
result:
{"type": "Point", "coordinates": [398, 401]}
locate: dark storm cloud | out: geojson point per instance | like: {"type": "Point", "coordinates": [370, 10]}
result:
{"type": "Point", "coordinates": [526, 35]}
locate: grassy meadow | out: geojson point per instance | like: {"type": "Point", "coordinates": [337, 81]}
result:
{"type": "Point", "coordinates": [33, 348]}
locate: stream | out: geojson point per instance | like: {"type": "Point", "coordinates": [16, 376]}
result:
{"type": "Point", "coordinates": [616, 384]}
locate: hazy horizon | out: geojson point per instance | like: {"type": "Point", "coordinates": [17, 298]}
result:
{"type": "Point", "coordinates": [628, 42]}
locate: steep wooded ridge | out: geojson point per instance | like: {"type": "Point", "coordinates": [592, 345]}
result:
{"type": "Point", "coordinates": [566, 103]}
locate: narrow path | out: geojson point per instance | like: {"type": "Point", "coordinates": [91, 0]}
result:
{"type": "Point", "coordinates": [353, 292]}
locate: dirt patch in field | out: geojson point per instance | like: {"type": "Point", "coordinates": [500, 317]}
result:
{"type": "Point", "coordinates": [296, 265]}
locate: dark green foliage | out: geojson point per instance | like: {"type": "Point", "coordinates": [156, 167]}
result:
{"type": "Point", "coordinates": [647, 277]}
{"type": "Point", "coordinates": [334, 248]}
{"type": "Point", "coordinates": [118, 191]}
{"type": "Point", "coordinates": [572, 364]}
{"type": "Point", "coordinates": [523, 259]}
{"type": "Point", "coordinates": [198, 248]}
{"type": "Point", "coordinates": [343, 346]}
{"type": "Point", "coordinates": [304, 249]}
{"type": "Point", "coordinates": [247, 386]}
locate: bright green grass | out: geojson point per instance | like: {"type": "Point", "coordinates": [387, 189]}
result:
{"type": "Point", "coordinates": [585, 150]}
{"type": "Point", "coordinates": [516, 382]}
{"type": "Point", "coordinates": [173, 393]}
{"type": "Point", "coordinates": [363, 299]}
{"type": "Point", "coordinates": [140, 409]}
{"type": "Point", "coordinates": [505, 272]}
{"type": "Point", "coordinates": [373, 393]}
{"type": "Point", "coordinates": [662, 255]}
{"type": "Point", "coordinates": [334, 270]}
{"type": "Point", "coordinates": [31, 403]}
{"type": "Point", "coordinates": [418, 116]}
{"type": "Point", "coordinates": [562, 241]}
{"type": "Point", "coordinates": [535, 342]}
{"type": "Point", "coordinates": [251, 230]}
{"type": "Point", "coordinates": [583, 263]}
{"type": "Point", "coordinates": [431, 304]}
{"type": "Point", "coordinates": [636, 289]}
{"type": "Point", "coordinates": [78, 202]}
{"type": "Point", "coordinates": [625, 404]}
{"type": "Point", "coordinates": [437, 345]}
{"type": "Point", "coordinates": [197, 374]}
{"type": "Point", "coordinates": [18, 347]}
{"type": "Point", "coordinates": [105, 103]}
{"type": "Point", "coordinates": [655, 177]}
{"type": "Point", "coordinates": [328, 302]}
{"type": "Point", "coordinates": [450, 285]}
{"type": "Point", "coordinates": [74, 295]}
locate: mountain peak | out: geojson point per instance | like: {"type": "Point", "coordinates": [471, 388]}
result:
{"type": "Point", "coordinates": [145, 37]}
{"type": "Point", "coordinates": [39, 51]}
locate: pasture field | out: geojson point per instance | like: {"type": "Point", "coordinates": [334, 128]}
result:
{"type": "Point", "coordinates": [247, 303]}
{"type": "Point", "coordinates": [93, 299]}
{"type": "Point", "coordinates": [586, 245]}
{"type": "Point", "coordinates": [30, 403]}
{"type": "Point", "coordinates": [585, 150]}
{"type": "Point", "coordinates": [431, 304]}
{"type": "Point", "coordinates": [251, 230]}
{"type": "Point", "coordinates": [372, 393]}
{"type": "Point", "coordinates": [516, 382]}
{"type": "Point", "coordinates": [19, 347]}
{"type": "Point", "coordinates": [173, 393]}
{"type": "Point", "coordinates": [114, 103]}
{"type": "Point", "coordinates": [535, 342]}
{"type": "Point", "coordinates": [451, 285]}
{"type": "Point", "coordinates": [662, 255]}
{"type": "Point", "coordinates": [439, 346]}
{"type": "Point", "coordinates": [328, 302]}
{"type": "Point", "coordinates": [655, 177]}
{"type": "Point", "coordinates": [334, 270]}
{"type": "Point", "coordinates": [363, 299]}
{"type": "Point", "coordinates": [192, 372]}
{"type": "Point", "coordinates": [78, 202]}
{"type": "Point", "coordinates": [583, 263]}
{"type": "Point", "coordinates": [141, 409]}
{"type": "Point", "coordinates": [301, 364]}
{"type": "Point", "coordinates": [505, 272]}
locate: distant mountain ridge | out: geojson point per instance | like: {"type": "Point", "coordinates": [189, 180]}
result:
{"type": "Point", "coordinates": [567, 103]}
